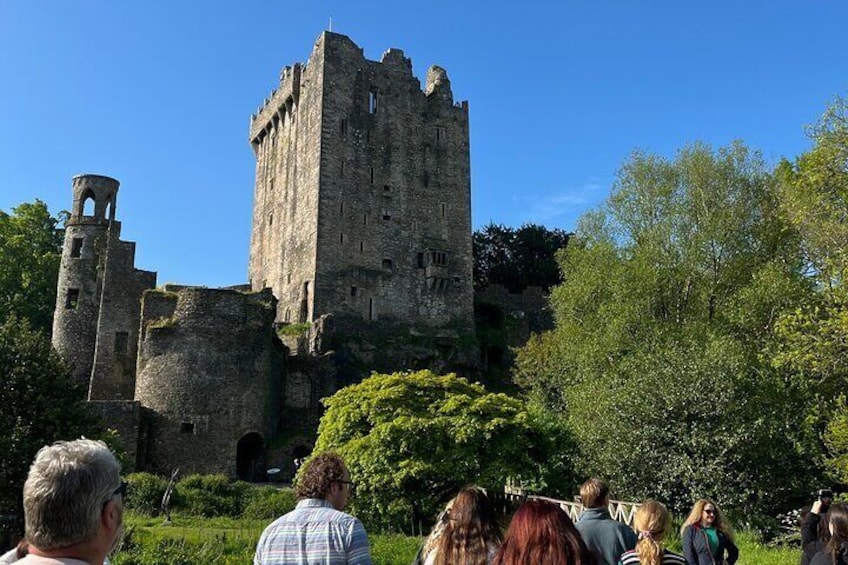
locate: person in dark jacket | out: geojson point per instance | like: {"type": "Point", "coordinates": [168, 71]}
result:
{"type": "Point", "coordinates": [608, 538]}
{"type": "Point", "coordinates": [708, 536]}
{"type": "Point", "coordinates": [814, 530]}
{"type": "Point", "coordinates": [835, 551]}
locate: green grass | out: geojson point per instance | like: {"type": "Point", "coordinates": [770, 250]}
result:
{"type": "Point", "coordinates": [230, 541]}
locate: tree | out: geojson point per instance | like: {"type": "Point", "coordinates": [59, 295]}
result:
{"type": "Point", "coordinates": [411, 440]}
{"type": "Point", "coordinates": [39, 404]}
{"type": "Point", "coordinates": [813, 337]}
{"type": "Point", "coordinates": [517, 258]}
{"type": "Point", "coordinates": [671, 291]}
{"type": "Point", "coordinates": [30, 251]}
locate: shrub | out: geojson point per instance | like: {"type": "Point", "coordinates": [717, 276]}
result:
{"type": "Point", "coordinates": [145, 492]}
{"type": "Point", "coordinates": [411, 440]}
{"type": "Point", "coordinates": [210, 495]}
{"type": "Point", "coordinates": [267, 503]}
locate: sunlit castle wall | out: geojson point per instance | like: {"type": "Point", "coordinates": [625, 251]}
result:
{"type": "Point", "coordinates": [209, 374]}
{"type": "Point", "coordinates": [362, 201]}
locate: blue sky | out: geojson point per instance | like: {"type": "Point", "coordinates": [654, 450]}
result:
{"type": "Point", "coordinates": [159, 95]}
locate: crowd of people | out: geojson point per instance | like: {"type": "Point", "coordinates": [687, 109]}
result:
{"type": "Point", "coordinates": [73, 513]}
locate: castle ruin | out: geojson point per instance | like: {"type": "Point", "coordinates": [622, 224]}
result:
{"type": "Point", "coordinates": [361, 233]}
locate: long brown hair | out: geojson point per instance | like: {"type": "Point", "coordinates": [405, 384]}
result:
{"type": "Point", "coordinates": [470, 532]}
{"type": "Point", "coordinates": [838, 522]}
{"type": "Point", "coordinates": [721, 523]}
{"type": "Point", "coordinates": [541, 533]}
{"type": "Point", "coordinates": [652, 522]}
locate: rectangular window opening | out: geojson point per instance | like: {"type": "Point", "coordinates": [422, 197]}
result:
{"type": "Point", "coordinates": [372, 102]}
{"type": "Point", "coordinates": [76, 247]}
{"type": "Point", "coordinates": [420, 261]}
{"type": "Point", "coordinates": [342, 169]}
{"type": "Point", "coordinates": [387, 264]}
{"type": "Point", "coordinates": [371, 312]}
{"type": "Point", "coordinates": [121, 342]}
{"type": "Point", "coordinates": [72, 299]}
{"type": "Point", "coordinates": [387, 215]}
{"type": "Point", "coordinates": [341, 238]}
{"type": "Point", "coordinates": [341, 208]}
{"type": "Point", "coordinates": [187, 428]}
{"type": "Point", "coordinates": [361, 246]}
{"type": "Point", "coordinates": [343, 127]}
{"type": "Point", "coordinates": [364, 219]}
{"type": "Point", "coordinates": [372, 175]}
{"type": "Point", "coordinates": [387, 190]}
{"type": "Point", "coordinates": [353, 292]}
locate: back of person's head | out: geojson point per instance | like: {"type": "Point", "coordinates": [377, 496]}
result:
{"type": "Point", "coordinates": [318, 475]}
{"type": "Point", "coordinates": [470, 530]}
{"type": "Point", "coordinates": [68, 485]}
{"type": "Point", "coordinates": [594, 493]}
{"type": "Point", "coordinates": [652, 521]}
{"type": "Point", "coordinates": [837, 521]}
{"type": "Point", "coordinates": [541, 533]}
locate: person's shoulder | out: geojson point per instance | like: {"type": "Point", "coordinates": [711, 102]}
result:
{"type": "Point", "coordinates": [671, 558]}
{"type": "Point", "coordinates": [821, 558]}
{"type": "Point", "coordinates": [629, 558]}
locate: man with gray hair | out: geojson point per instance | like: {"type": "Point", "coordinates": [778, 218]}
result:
{"type": "Point", "coordinates": [73, 504]}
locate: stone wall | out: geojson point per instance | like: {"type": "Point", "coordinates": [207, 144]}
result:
{"type": "Point", "coordinates": [123, 416]}
{"type": "Point", "coordinates": [209, 377]}
{"type": "Point", "coordinates": [362, 198]}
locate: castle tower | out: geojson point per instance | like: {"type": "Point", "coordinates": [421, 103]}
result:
{"type": "Point", "coordinates": [95, 324]}
{"type": "Point", "coordinates": [362, 200]}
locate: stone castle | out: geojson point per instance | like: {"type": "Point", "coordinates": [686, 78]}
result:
{"type": "Point", "coordinates": [360, 259]}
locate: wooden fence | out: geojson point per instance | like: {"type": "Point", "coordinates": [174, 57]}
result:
{"type": "Point", "coordinates": [508, 502]}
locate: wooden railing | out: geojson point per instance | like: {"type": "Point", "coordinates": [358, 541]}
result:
{"type": "Point", "coordinates": [508, 502]}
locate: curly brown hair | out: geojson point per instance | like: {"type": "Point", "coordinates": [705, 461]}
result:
{"type": "Point", "coordinates": [319, 474]}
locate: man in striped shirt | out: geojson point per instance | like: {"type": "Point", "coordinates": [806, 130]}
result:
{"type": "Point", "coordinates": [317, 532]}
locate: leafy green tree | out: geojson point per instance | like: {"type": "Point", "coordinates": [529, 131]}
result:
{"type": "Point", "coordinates": [411, 440]}
{"type": "Point", "coordinates": [517, 258]}
{"type": "Point", "coordinates": [38, 405]}
{"type": "Point", "coordinates": [813, 337]}
{"type": "Point", "coordinates": [30, 250]}
{"type": "Point", "coordinates": [671, 291]}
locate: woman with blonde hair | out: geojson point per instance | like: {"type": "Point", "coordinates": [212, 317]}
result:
{"type": "Point", "coordinates": [652, 522]}
{"type": "Point", "coordinates": [708, 536]}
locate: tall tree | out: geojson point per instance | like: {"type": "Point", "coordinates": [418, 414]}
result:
{"type": "Point", "coordinates": [517, 258]}
{"type": "Point", "coordinates": [813, 342]}
{"type": "Point", "coordinates": [671, 291]}
{"type": "Point", "coordinates": [30, 250]}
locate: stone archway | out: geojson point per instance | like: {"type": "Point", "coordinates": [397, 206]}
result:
{"type": "Point", "coordinates": [250, 457]}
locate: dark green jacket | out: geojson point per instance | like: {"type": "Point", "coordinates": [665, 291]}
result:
{"type": "Point", "coordinates": [605, 536]}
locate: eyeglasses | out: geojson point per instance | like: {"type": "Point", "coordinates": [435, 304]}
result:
{"type": "Point", "coordinates": [122, 490]}
{"type": "Point", "coordinates": [710, 512]}
{"type": "Point", "coordinates": [351, 484]}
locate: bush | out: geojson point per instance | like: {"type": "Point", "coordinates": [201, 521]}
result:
{"type": "Point", "coordinates": [412, 440]}
{"type": "Point", "coordinates": [268, 503]}
{"type": "Point", "coordinates": [145, 492]}
{"type": "Point", "coordinates": [210, 495]}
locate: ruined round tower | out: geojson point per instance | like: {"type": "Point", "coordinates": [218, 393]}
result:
{"type": "Point", "coordinates": [79, 289]}
{"type": "Point", "coordinates": [95, 324]}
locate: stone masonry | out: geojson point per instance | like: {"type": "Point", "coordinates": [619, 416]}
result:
{"type": "Point", "coordinates": [361, 231]}
{"type": "Point", "coordinates": [362, 201]}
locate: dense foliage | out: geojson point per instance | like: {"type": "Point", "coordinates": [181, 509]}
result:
{"type": "Point", "coordinates": [208, 496]}
{"type": "Point", "coordinates": [672, 290]}
{"type": "Point", "coordinates": [411, 440]}
{"type": "Point", "coordinates": [813, 337]}
{"type": "Point", "coordinates": [517, 258]}
{"type": "Point", "coordinates": [30, 249]}
{"type": "Point", "coordinates": [38, 405]}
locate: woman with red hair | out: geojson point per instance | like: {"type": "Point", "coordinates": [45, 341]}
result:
{"type": "Point", "coordinates": [541, 533]}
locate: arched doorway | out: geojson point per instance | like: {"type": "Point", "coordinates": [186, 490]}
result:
{"type": "Point", "coordinates": [250, 457]}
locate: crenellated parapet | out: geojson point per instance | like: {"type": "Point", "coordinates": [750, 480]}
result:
{"type": "Point", "coordinates": [278, 106]}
